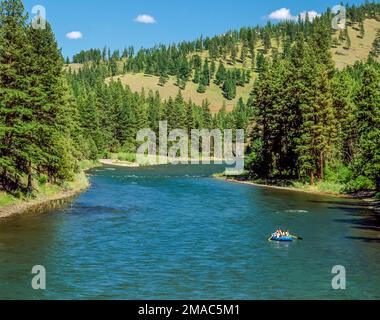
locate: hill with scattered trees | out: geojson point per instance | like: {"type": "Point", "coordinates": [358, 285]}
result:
{"type": "Point", "coordinates": [222, 69]}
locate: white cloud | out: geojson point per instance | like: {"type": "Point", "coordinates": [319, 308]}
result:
{"type": "Point", "coordinates": [145, 18]}
{"type": "Point", "coordinates": [74, 35]}
{"type": "Point", "coordinates": [285, 14]}
{"type": "Point", "coordinates": [312, 15]}
{"type": "Point", "coordinates": [281, 14]}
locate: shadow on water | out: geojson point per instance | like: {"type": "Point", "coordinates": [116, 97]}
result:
{"type": "Point", "coordinates": [363, 221]}
{"type": "Point", "coordinates": [360, 217]}
{"type": "Point", "coordinates": [365, 239]}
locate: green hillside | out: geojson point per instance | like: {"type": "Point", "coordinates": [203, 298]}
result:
{"type": "Point", "coordinates": [342, 55]}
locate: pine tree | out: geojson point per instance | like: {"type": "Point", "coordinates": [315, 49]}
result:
{"type": "Point", "coordinates": [163, 80]}
{"type": "Point", "coordinates": [179, 112]}
{"type": "Point", "coordinates": [220, 76]}
{"type": "Point", "coordinates": [321, 43]}
{"type": "Point", "coordinates": [345, 115]}
{"type": "Point", "coordinates": [362, 30]}
{"type": "Point", "coordinates": [234, 53]}
{"type": "Point", "coordinates": [260, 63]}
{"type": "Point", "coordinates": [197, 75]}
{"type": "Point", "coordinates": [267, 42]}
{"type": "Point", "coordinates": [169, 114]}
{"type": "Point", "coordinates": [243, 54]}
{"type": "Point", "coordinates": [206, 78]}
{"type": "Point", "coordinates": [287, 47]}
{"type": "Point", "coordinates": [17, 152]}
{"type": "Point", "coordinates": [206, 115]}
{"type": "Point", "coordinates": [37, 112]}
{"type": "Point", "coordinates": [52, 106]}
{"type": "Point", "coordinates": [348, 42]}
{"type": "Point", "coordinates": [201, 88]}
{"type": "Point", "coordinates": [368, 101]}
{"type": "Point", "coordinates": [154, 109]}
{"type": "Point", "coordinates": [229, 89]}
{"type": "Point", "coordinates": [212, 69]}
{"type": "Point", "coordinates": [190, 121]}
{"type": "Point", "coordinates": [220, 118]}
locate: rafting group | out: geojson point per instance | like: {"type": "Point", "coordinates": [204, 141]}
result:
{"type": "Point", "coordinates": [280, 235]}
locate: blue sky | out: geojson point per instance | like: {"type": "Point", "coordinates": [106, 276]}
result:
{"type": "Point", "coordinates": [113, 23]}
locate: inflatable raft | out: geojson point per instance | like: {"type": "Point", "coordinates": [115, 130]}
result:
{"type": "Point", "coordinates": [281, 239]}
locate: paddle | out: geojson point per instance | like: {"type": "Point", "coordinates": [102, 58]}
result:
{"type": "Point", "coordinates": [296, 237]}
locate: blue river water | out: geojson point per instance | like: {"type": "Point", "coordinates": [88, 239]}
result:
{"type": "Point", "coordinates": [175, 233]}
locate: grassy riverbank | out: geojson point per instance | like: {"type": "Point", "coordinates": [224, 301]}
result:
{"type": "Point", "coordinates": [46, 192]}
{"type": "Point", "coordinates": [321, 188]}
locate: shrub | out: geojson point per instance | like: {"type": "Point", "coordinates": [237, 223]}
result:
{"type": "Point", "coordinates": [130, 157]}
{"type": "Point", "coordinates": [360, 183]}
{"type": "Point", "coordinates": [42, 180]}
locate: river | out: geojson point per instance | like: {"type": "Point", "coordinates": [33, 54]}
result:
{"type": "Point", "coordinates": [175, 233]}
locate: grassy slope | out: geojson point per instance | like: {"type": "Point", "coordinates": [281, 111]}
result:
{"type": "Point", "coordinates": [359, 50]}
{"type": "Point", "coordinates": [214, 94]}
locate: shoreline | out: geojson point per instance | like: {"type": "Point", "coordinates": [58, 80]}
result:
{"type": "Point", "coordinates": [293, 189]}
{"type": "Point", "coordinates": [118, 163]}
{"type": "Point", "coordinates": [80, 184]}
{"type": "Point", "coordinates": [374, 203]}
{"type": "Point", "coordinates": [25, 205]}
{"type": "Point", "coordinates": [160, 160]}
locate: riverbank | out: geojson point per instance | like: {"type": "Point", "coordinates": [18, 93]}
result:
{"type": "Point", "coordinates": [47, 193]}
{"type": "Point", "coordinates": [155, 161]}
{"type": "Point", "coordinates": [304, 189]}
{"type": "Point", "coordinates": [119, 163]}
{"type": "Point", "coordinates": [327, 189]}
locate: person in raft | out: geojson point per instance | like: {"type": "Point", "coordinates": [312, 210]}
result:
{"type": "Point", "coordinates": [279, 233]}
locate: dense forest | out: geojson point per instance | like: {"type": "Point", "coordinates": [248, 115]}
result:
{"type": "Point", "coordinates": [306, 120]}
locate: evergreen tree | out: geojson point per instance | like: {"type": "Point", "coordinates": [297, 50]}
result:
{"type": "Point", "coordinates": [201, 88]}
{"type": "Point", "coordinates": [17, 153]}
{"type": "Point", "coordinates": [243, 54]}
{"type": "Point", "coordinates": [260, 63]}
{"type": "Point", "coordinates": [15, 98]}
{"type": "Point", "coordinates": [190, 121]}
{"type": "Point", "coordinates": [220, 74]}
{"type": "Point", "coordinates": [206, 78]}
{"type": "Point", "coordinates": [163, 80]}
{"type": "Point", "coordinates": [179, 111]}
{"type": "Point", "coordinates": [234, 53]}
{"type": "Point", "coordinates": [197, 75]}
{"type": "Point", "coordinates": [348, 42]}
{"type": "Point", "coordinates": [212, 69]}
{"type": "Point", "coordinates": [229, 89]}
{"type": "Point", "coordinates": [52, 106]}
{"type": "Point", "coordinates": [267, 42]}
{"type": "Point", "coordinates": [362, 30]}
{"type": "Point", "coordinates": [321, 43]}
{"type": "Point", "coordinates": [367, 163]}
